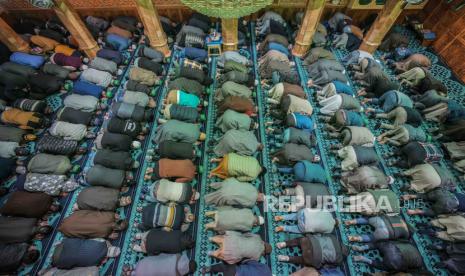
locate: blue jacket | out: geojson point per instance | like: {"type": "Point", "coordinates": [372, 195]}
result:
{"type": "Point", "coordinates": [392, 99]}
{"type": "Point", "coordinates": [110, 55]}
{"type": "Point", "coordinates": [401, 53]}
{"type": "Point", "coordinates": [415, 133]}
{"type": "Point", "coordinates": [300, 121]}
{"type": "Point", "coordinates": [343, 88]}
{"type": "Point", "coordinates": [456, 111]}
{"type": "Point", "coordinates": [86, 88]}
{"type": "Point", "coordinates": [27, 59]}
{"type": "Point", "coordinates": [278, 47]}
{"type": "Point", "coordinates": [196, 54]}
{"type": "Point", "coordinates": [117, 42]}
{"type": "Point", "coordinates": [251, 267]}
{"type": "Point", "coordinates": [80, 253]}
{"type": "Point", "coordinates": [306, 171]}
{"type": "Point", "coordinates": [353, 118]}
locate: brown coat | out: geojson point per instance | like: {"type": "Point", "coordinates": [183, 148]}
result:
{"type": "Point", "coordinates": [86, 224]}
{"type": "Point", "coordinates": [294, 89]}
{"type": "Point", "coordinates": [238, 104]}
{"type": "Point", "coordinates": [415, 60]}
{"type": "Point", "coordinates": [180, 170]}
{"type": "Point", "coordinates": [26, 204]}
{"type": "Point", "coordinates": [392, 41]}
{"type": "Point", "coordinates": [317, 53]}
{"type": "Point", "coordinates": [17, 229]}
{"type": "Point", "coordinates": [118, 31]}
{"type": "Point", "coordinates": [273, 38]}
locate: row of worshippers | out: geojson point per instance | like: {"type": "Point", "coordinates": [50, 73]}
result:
{"type": "Point", "coordinates": [333, 107]}
{"type": "Point", "coordinates": [290, 128]}
{"type": "Point", "coordinates": [430, 97]}
{"type": "Point", "coordinates": [177, 138]}
{"type": "Point", "coordinates": [29, 79]}
{"type": "Point", "coordinates": [362, 181]}
{"type": "Point", "coordinates": [233, 183]}
{"type": "Point", "coordinates": [95, 219]}
{"type": "Point", "coordinates": [420, 154]}
{"type": "Point", "coordinates": [170, 192]}
{"type": "Point", "coordinates": [79, 118]}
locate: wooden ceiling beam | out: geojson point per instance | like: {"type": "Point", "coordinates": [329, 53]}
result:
{"type": "Point", "coordinates": [383, 23]}
{"type": "Point", "coordinates": [71, 20]}
{"type": "Point", "coordinates": [230, 34]}
{"type": "Point", "coordinates": [152, 26]}
{"type": "Point", "coordinates": [303, 41]}
{"type": "Point", "coordinates": [11, 39]}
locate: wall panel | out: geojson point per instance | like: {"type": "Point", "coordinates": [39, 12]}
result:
{"type": "Point", "coordinates": [449, 26]}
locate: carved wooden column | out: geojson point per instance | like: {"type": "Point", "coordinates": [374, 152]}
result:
{"type": "Point", "coordinates": [311, 19]}
{"type": "Point", "coordinates": [229, 33]}
{"type": "Point", "coordinates": [70, 18]}
{"type": "Point", "coordinates": [383, 23]}
{"type": "Point", "coordinates": [152, 26]}
{"type": "Point", "coordinates": [11, 39]}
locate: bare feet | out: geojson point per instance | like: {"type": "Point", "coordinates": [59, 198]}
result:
{"type": "Point", "coordinates": [152, 103]}
{"type": "Point", "coordinates": [350, 222]}
{"type": "Point", "coordinates": [279, 229]}
{"type": "Point", "coordinates": [354, 238]}
{"type": "Point", "coordinates": [113, 236]}
{"type": "Point", "coordinates": [358, 258]}
{"type": "Point", "coordinates": [414, 212]}
{"type": "Point", "coordinates": [361, 93]}
{"type": "Point", "coordinates": [125, 201]}
{"type": "Point", "coordinates": [408, 197]}
{"type": "Point", "coordinates": [366, 100]}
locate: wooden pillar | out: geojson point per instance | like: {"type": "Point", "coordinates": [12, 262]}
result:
{"type": "Point", "coordinates": [310, 22]}
{"type": "Point", "coordinates": [152, 26]}
{"type": "Point", "coordinates": [70, 18]}
{"type": "Point", "coordinates": [383, 23]}
{"type": "Point", "coordinates": [229, 33]}
{"type": "Point", "coordinates": [11, 39]}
